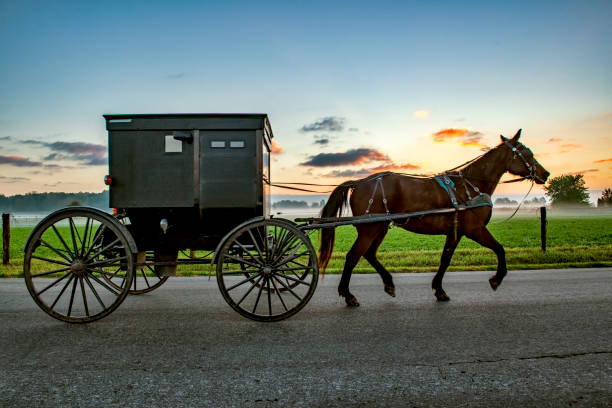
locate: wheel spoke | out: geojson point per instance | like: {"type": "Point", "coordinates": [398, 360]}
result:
{"type": "Point", "coordinates": [242, 282]}
{"type": "Point", "coordinates": [291, 278]}
{"type": "Point", "coordinates": [50, 272]}
{"type": "Point", "coordinates": [248, 252]}
{"type": "Point", "coordinates": [288, 288]}
{"type": "Point", "coordinates": [55, 261]}
{"type": "Point", "coordinates": [72, 298]}
{"type": "Point", "coordinates": [62, 240]}
{"type": "Point", "coordinates": [297, 268]}
{"type": "Point", "coordinates": [84, 242]}
{"type": "Point", "coordinates": [256, 246]}
{"type": "Point", "coordinates": [84, 296]}
{"type": "Point", "coordinates": [107, 262]}
{"type": "Point", "coordinates": [106, 248]}
{"type": "Point", "coordinates": [57, 251]}
{"type": "Point", "coordinates": [72, 229]}
{"type": "Point", "coordinates": [62, 291]}
{"type": "Point", "coordinates": [250, 289]}
{"type": "Point", "coordinates": [98, 235]}
{"type": "Point", "coordinates": [95, 292]}
{"type": "Point", "coordinates": [291, 258]}
{"type": "Point", "coordinates": [258, 296]}
{"type": "Point", "coordinates": [53, 283]}
{"type": "Point", "coordinates": [242, 261]}
{"type": "Point", "coordinates": [144, 275]}
{"type": "Point", "coordinates": [104, 285]}
{"type": "Point", "coordinates": [269, 298]}
{"type": "Point", "coordinates": [279, 295]}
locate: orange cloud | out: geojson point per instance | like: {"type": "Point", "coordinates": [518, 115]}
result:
{"type": "Point", "coordinates": [603, 161]}
{"type": "Point", "coordinates": [569, 147]}
{"type": "Point", "coordinates": [395, 167]}
{"type": "Point", "coordinates": [276, 149]}
{"type": "Point", "coordinates": [554, 140]}
{"type": "Point", "coordinates": [465, 137]}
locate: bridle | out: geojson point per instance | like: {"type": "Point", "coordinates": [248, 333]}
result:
{"type": "Point", "coordinates": [518, 151]}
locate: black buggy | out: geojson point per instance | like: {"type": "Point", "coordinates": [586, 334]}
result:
{"type": "Point", "coordinates": [187, 190]}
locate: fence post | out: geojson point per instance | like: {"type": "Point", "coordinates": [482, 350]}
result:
{"type": "Point", "coordinates": [6, 238]}
{"type": "Point", "coordinates": [543, 227]}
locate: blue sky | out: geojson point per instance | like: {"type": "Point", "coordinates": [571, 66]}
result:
{"type": "Point", "coordinates": [482, 67]}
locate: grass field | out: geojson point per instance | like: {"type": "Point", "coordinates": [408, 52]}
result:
{"type": "Point", "coordinates": [572, 242]}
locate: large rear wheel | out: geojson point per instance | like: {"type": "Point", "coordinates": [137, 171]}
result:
{"type": "Point", "coordinates": [78, 266]}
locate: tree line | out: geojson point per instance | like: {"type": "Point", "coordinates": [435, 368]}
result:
{"type": "Point", "coordinates": [47, 202]}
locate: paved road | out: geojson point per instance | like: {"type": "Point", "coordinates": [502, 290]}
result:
{"type": "Point", "coordinates": [543, 339]}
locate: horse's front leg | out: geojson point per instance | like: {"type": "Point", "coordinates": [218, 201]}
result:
{"type": "Point", "coordinates": [436, 283]}
{"type": "Point", "coordinates": [352, 257]}
{"type": "Point", "coordinates": [484, 238]}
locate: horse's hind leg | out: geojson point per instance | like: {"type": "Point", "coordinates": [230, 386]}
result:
{"type": "Point", "coordinates": [447, 253]}
{"type": "Point", "coordinates": [359, 248]}
{"type": "Point", "coordinates": [370, 256]}
{"type": "Point", "coordinates": [484, 238]}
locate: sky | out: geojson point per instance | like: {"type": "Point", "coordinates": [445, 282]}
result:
{"type": "Point", "coordinates": [350, 88]}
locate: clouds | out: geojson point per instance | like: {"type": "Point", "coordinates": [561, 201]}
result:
{"type": "Point", "coordinates": [603, 161]}
{"type": "Point", "coordinates": [19, 161]}
{"type": "Point", "coordinates": [85, 153]}
{"type": "Point", "coordinates": [350, 157]}
{"type": "Point", "coordinates": [329, 124]}
{"type": "Point", "coordinates": [465, 137]}
{"type": "Point", "coordinates": [5, 179]}
{"type": "Point", "coordinates": [554, 140]}
{"type": "Point", "coordinates": [275, 148]}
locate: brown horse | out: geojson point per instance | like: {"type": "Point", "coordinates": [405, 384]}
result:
{"type": "Point", "coordinates": [397, 193]}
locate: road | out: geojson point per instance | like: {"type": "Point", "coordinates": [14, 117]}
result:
{"type": "Point", "coordinates": [543, 339]}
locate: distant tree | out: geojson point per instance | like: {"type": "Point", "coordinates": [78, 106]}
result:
{"type": "Point", "coordinates": [505, 201]}
{"type": "Point", "coordinates": [567, 189]}
{"type": "Point", "coordinates": [536, 201]}
{"type": "Point", "coordinates": [606, 198]}
{"type": "Point", "coordinates": [290, 204]}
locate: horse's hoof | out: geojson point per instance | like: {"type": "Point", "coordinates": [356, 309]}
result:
{"type": "Point", "coordinates": [494, 282]}
{"type": "Point", "coordinates": [351, 301]}
{"type": "Point", "coordinates": [390, 290]}
{"type": "Point", "coordinates": [441, 296]}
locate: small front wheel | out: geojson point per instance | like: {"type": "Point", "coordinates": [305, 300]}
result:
{"type": "Point", "coordinates": [267, 270]}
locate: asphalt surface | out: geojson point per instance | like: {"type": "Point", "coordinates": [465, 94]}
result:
{"type": "Point", "coordinates": [543, 339]}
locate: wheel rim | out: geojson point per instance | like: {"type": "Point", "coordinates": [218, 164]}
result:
{"type": "Point", "coordinates": [145, 279]}
{"type": "Point", "coordinates": [267, 270]}
{"type": "Point", "coordinates": [78, 267]}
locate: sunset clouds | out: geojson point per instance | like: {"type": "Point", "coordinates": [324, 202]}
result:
{"type": "Point", "coordinates": [19, 161]}
{"type": "Point", "coordinates": [464, 137]}
{"type": "Point", "coordinates": [350, 157]}
{"type": "Point", "coordinates": [275, 148]}
{"type": "Point", "coordinates": [85, 153]}
{"type": "Point", "coordinates": [603, 161]}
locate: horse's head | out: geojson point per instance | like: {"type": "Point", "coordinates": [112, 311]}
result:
{"type": "Point", "coordinates": [522, 162]}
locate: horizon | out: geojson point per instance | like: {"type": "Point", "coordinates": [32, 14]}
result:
{"type": "Point", "coordinates": [350, 88]}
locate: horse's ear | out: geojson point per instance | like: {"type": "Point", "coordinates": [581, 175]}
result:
{"type": "Point", "coordinates": [503, 139]}
{"type": "Point", "coordinates": [518, 134]}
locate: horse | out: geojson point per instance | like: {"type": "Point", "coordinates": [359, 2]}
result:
{"type": "Point", "coordinates": [393, 193]}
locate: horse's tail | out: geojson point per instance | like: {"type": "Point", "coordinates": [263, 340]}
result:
{"type": "Point", "coordinates": [335, 204]}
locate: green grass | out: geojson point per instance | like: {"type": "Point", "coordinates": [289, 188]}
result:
{"type": "Point", "coordinates": [572, 242]}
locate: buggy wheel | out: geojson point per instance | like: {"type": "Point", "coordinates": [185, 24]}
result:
{"type": "Point", "coordinates": [78, 265]}
{"type": "Point", "coordinates": [145, 278]}
{"type": "Point", "coordinates": [267, 270]}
